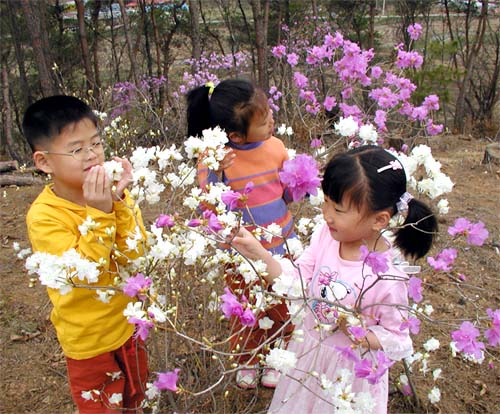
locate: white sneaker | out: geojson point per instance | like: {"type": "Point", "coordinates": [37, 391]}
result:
{"type": "Point", "coordinates": [270, 378]}
{"type": "Point", "coordinates": [247, 378]}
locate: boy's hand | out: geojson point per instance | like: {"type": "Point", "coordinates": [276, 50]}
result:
{"type": "Point", "coordinates": [125, 179]}
{"type": "Point", "coordinates": [97, 189]}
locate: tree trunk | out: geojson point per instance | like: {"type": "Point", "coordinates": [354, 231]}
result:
{"type": "Point", "coordinates": [80, 11]}
{"type": "Point", "coordinates": [8, 165]}
{"type": "Point", "coordinates": [17, 179]}
{"type": "Point", "coordinates": [25, 90]}
{"type": "Point", "coordinates": [260, 13]}
{"type": "Point", "coordinates": [133, 64]}
{"type": "Point", "coordinates": [33, 23]}
{"type": "Point", "coordinates": [95, 47]}
{"type": "Point", "coordinates": [472, 52]}
{"type": "Point", "coordinates": [194, 11]}
{"type": "Point", "coordinates": [6, 111]}
{"type": "Point", "coordinates": [145, 28]}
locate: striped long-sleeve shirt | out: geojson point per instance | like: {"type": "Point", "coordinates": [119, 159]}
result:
{"type": "Point", "coordinates": [259, 162]}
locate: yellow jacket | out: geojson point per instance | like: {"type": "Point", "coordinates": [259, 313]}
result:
{"type": "Point", "coordinates": [85, 326]}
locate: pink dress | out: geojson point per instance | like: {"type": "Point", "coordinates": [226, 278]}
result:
{"type": "Point", "coordinates": [301, 392]}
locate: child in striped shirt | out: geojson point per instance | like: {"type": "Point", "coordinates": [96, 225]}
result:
{"type": "Point", "coordinates": [255, 156]}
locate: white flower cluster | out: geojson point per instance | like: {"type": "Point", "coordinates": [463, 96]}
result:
{"type": "Point", "coordinates": [210, 146]}
{"type": "Point", "coordinates": [114, 170]}
{"type": "Point", "coordinates": [368, 134]}
{"type": "Point", "coordinates": [284, 130]}
{"type": "Point", "coordinates": [340, 393]}
{"type": "Point", "coordinates": [88, 225]}
{"type": "Point", "coordinates": [58, 272]}
{"type": "Point", "coordinates": [436, 183]}
{"type": "Point", "coordinates": [281, 360]}
{"type": "Point", "coordinates": [346, 127]}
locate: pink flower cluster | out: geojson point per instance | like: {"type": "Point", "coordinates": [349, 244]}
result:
{"type": "Point", "coordinates": [476, 233]}
{"type": "Point", "coordinates": [232, 307]}
{"type": "Point", "coordinates": [301, 176]}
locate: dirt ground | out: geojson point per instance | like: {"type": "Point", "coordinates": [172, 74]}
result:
{"type": "Point", "coordinates": [33, 378]}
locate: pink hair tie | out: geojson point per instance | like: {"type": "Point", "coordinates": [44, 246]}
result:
{"type": "Point", "coordinates": [404, 200]}
{"type": "Point", "coordinates": [394, 165]}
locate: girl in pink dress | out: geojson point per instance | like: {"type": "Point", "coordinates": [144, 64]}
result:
{"type": "Point", "coordinates": [356, 307]}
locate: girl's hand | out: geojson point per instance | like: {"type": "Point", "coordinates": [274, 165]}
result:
{"type": "Point", "coordinates": [248, 245]}
{"type": "Point", "coordinates": [126, 178]}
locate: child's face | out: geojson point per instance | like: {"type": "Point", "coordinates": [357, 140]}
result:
{"type": "Point", "coordinates": [69, 157]}
{"type": "Point", "coordinates": [348, 224]}
{"type": "Point", "coordinates": [261, 127]}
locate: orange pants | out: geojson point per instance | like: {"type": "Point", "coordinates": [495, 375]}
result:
{"type": "Point", "coordinates": [250, 338]}
{"type": "Point", "coordinates": [130, 360]}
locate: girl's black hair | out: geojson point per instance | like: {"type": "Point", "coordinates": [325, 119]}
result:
{"type": "Point", "coordinates": [232, 105]}
{"type": "Point", "coordinates": [46, 118]}
{"type": "Point", "coordinates": [354, 174]}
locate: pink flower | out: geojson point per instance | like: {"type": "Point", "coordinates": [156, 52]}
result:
{"type": "Point", "coordinates": [292, 59]}
{"type": "Point", "coordinates": [358, 332]}
{"type": "Point", "coordinates": [329, 103]}
{"type": "Point", "coordinates": [300, 80]}
{"type": "Point", "coordinates": [384, 97]}
{"type": "Point", "coordinates": [380, 119]}
{"type": "Point", "coordinates": [431, 102]}
{"type": "Point", "coordinates": [278, 51]}
{"type": "Point", "coordinates": [493, 334]}
{"type": "Point", "coordinates": [414, 30]}
{"type": "Point", "coordinates": [142, 327]}
{"type": "Point", "coordinates": [347, 353]}
{"type": "Point", "coordinates": [346, 93]}
{"type": "Point", "coordinates": [230, 305]}
{"type": "Point", "coordinates": [213, 225]}
{"type": "Point", "coordinates": [164, 220]}
{"type": "Point", "coordinates": [477, 234]}
{"type": "Point", "coordinates": [415, 289]}
{"type": "Point", "coordinates": [410, 59]}
{"type": "Point", "coordinates": [376, 260]}
{"type": "Point", "coordinates": [194, 223]}
{"type": "Point", "coordinates": [230, 198]}
{"type": "Point", "coordinates": [301, 176]}
{"type": "Point", "coordinates": [412, 323]}
{"type": "Point", "coordinates": [433, 129]}
{"type": "Point", "coordinates": [376, 72]}
{"type": "Point", "coordinates": [248, 318]}
{"type": "Point", "coordinates": [420, 113]}
{"type": "Point", "coordinates": [443, 260]}
{"type": "Point", "coordinates": [136, 285]}
{"type": "Point", "coordinates": [365, 369]}
{"type": "Point", "coordinates": [316, 143]}
{"type": "Point", "coordinates": [167, 380]}
{"type": "Point", "coordinates": [465, 339]}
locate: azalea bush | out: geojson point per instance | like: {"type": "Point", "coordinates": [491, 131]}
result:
{"type": "Point", "coordinates": [180, 303]}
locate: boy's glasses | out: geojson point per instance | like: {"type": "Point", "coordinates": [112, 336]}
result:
{"type": "Point", "coordinates": [81, 153]}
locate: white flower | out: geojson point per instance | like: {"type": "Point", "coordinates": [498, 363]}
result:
{"type": "Point", "coordinates": [368, 133]}
{"type": "Point", "coordinates": [281, 129]}
{"type": "Point", "coordinates": [428, 309]}
{"type": "Point", "coordinates": [151, 391]}
{"type": "Point", "coordinates": [116, 398]}
{"type": "Point", "coordinates": [443, 206]}
{"type": "Point", "coordinates": [142, 156]}
{"type": "Point", "coordinates": [420, 153]}
{"type": "Point", "coordinates": [134, 310]}
{"type": "Point", "coordinates": [436, 373]}
{"type": "Point", "coordinates": [281, 360]}
{"type": "Point", "coordinates": [291, 153]}
{"type": "Point", "coordinates": [88, 224]}
{"type": "Point", "coordinates": [157, 314]}
{"type": "Point", "coordinates": [431, 345]}
{"type": "Point", "coordinates": [364, 403]}
{"type": "Point", "coordinates": [346, 127]}
{"type": "Point", "coordinates": [295, 247]}
{"type": "Point", "coordinates": [317, 200]}
{"type": "Point", "coordinates": [287, 285]}
{"type": "Point", "coordinates": [250, 271]}
{"type": "Point", "coordinates": [273, 230]}
{"type": "Point", "coordinates": [15, 246]}
{"type": "Point", "coordinates": [104, 295]}
{"type": "Point", "coordinates": [266, 323]}
{"type": "Point", "coordinates": [114, 170]}
{"type": "Point", "coordinates": [403, 379]}
{"type": "Point", "coordinates": [88, 395]}
{"type": "Point", "coordinates": [23, 253]}
{"type": "Point", "coordinates": [434, 395]}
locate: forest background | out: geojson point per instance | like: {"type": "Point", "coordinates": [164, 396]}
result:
{"type": "Point", "coordinates": [134, 60]}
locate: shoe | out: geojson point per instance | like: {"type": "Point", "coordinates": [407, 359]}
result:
{"type": "Point", "coordinates": [270, 378]}
{"type": "Point", "coordinates": [247, 379]}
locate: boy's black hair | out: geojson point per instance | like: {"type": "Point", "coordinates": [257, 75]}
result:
{"type": "Point", "coordinates": [47, 117]}
{"type": "Point", "coordinates": [354, 175]}
{"type": "Point", "coordinates": [232, 105]}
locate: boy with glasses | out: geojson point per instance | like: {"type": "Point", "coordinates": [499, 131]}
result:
{"type": "Point", "coordinates": [102, 352]}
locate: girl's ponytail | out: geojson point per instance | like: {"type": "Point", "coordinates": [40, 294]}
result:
{"type": "Point", "coordinates": [198, 111]}
{"type": "Point", "coordinates": [416, 235]}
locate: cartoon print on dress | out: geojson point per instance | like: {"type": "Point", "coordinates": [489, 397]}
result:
{"type": "Point", "coordinates": [328, 288]}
